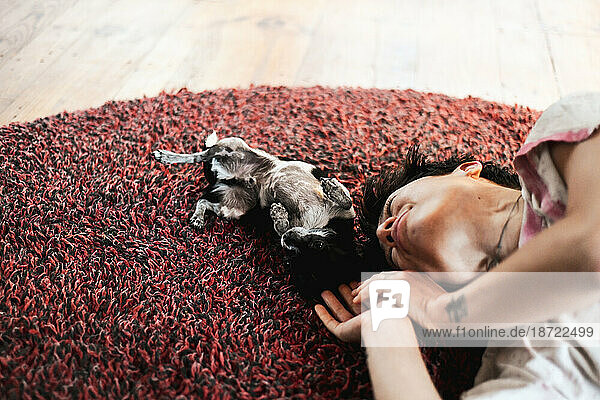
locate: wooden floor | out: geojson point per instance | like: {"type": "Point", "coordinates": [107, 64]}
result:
{"type": "Point", "coordinates": [60, 55]}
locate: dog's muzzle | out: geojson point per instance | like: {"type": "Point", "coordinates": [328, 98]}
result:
{"type": "Point", "coordinates": [298, 239]}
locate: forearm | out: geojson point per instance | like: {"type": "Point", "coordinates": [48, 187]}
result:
{"type": "Point", "coordinates": [397, 372]}
{"type": "Point", "coordinates": [500, 297]}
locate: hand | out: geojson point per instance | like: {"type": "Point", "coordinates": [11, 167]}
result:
{"type": "Point", "coordinates": [344, 324]}
{"type": "Point", "coordinates": [427, 298]}
{"type": "Point", "coordinates": [352, 325]}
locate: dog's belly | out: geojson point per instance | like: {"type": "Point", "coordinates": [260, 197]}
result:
{"type": "Point", "coordinates": [312, 217]}
{"type": "Point", "coordinates": [300, 193]}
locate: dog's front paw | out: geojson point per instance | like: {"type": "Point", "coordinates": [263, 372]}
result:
{"type": "Point", "coordinates": [279, 215]}
{"type": "Point", "coordinates": [278, 211]}
{"type": "Point", "coordinates": [336, 192]}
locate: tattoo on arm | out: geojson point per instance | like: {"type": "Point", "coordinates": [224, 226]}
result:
{"type": "Point", "coordinates": [457, 309]}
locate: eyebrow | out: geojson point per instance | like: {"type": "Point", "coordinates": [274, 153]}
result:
{"type": "Point", "coordinates": [389, 205]}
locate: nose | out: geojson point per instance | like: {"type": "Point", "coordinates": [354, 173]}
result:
{"type": "Point", "coordinates": [384, 231]}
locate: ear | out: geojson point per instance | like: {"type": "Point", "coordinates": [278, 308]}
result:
{"type": "Point", "coordinates": [471, 169]}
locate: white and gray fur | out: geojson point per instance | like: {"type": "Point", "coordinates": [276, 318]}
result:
{"type": "Point", "coordinates": [300, 204]}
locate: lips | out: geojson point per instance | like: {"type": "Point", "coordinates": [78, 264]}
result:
{"type": "Point", "coordinates": [399, 232]}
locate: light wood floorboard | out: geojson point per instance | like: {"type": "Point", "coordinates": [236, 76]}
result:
{"type": "Point", "coordinates": [60, 55]}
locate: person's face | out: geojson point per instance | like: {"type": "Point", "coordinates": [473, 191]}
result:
{"type": "Point", "coordinates": [444, 223]}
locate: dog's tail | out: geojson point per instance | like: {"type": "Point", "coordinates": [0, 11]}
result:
{"type": "Point", "coordinates": [169, 157]}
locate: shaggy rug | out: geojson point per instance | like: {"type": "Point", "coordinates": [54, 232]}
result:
{"type": "Point", "coordinates": [107, 291]}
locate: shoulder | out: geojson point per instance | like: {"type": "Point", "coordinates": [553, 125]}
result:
{"type": "Point", "coordinates": [577, 162]}
{"type": "Point", "coordinates": [564, 144]}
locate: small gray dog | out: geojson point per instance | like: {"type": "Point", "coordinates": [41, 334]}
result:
{"type": "Point", "coordinates": [312, 214]}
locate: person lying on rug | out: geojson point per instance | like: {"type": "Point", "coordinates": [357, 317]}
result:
{"type": "Point", "coordinates": [551, 224]}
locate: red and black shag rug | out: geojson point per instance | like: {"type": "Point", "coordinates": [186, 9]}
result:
{"type": "Point", "coordinates": [107, 291]}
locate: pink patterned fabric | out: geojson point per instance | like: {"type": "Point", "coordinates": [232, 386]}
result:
{"type": "Point", "coordinates": [572, 119]}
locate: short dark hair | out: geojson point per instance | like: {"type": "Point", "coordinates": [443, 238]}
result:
{"type": "Point", "coordinates": [416, 165]}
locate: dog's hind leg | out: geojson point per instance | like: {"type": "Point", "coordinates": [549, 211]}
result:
{"type": "Point", "coordinates": [280, 218]}
{"type": "Point", "coordinates": [169, 157]}
{"type": "Point", "coordinates": [336, 192]}
{"type": "Point", "coordinates": [235, 201]}
{"type": "Point", "coordinates": [203, 205]}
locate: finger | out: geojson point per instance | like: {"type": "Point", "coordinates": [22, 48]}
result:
{"type": "Point", "coordinates": [338, 310]}
{"type": "Point", "coordinates": [362, 299]}
{"type": "Point", "coordinates": [346, 293]}
{"type": "Point", "coordinates": [357, 289]}
{"type": "Point", "coordinates": [379, 277]}
{"type": "Point", "coordinates": [361, 293]}
{"type": "Point", "coordinates": [363, 285]}
{"type": "Point", "coordinates": [347, 296]}
{"type": "Point", "coordinates": [330, 323]}
{"type": "Point", "coordinates": [354, 285]}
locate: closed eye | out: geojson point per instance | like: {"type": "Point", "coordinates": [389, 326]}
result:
{"type": "Point", "coordinates": [387, 209]}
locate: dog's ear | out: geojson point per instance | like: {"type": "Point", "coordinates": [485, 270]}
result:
{"type": "Point", "coordinates": [349, 267]}
{"type": "Point", "coordinates": [314, 272]}
{"type": "Point", "coordinates": [344, 229]}
{"type": "Point", "coordinates": [312, 277]}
